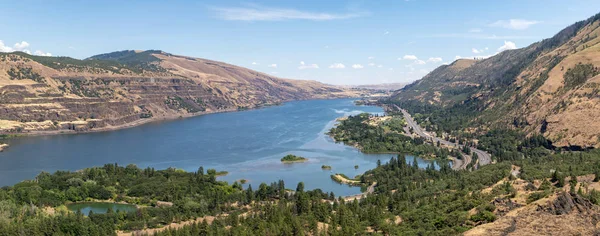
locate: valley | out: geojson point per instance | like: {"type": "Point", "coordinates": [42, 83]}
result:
{"type": "Point", "coordinates": [503, 142]}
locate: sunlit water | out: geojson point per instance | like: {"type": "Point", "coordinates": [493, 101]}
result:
{"type": "Point", "coordinates": [248, 144]}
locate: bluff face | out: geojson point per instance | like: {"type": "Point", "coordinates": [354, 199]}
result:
{"type": "Point", "coordinates": [124, 88]}
{"type": "Point", "coordinates": [550, 87]}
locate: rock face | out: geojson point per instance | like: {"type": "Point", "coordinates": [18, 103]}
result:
{"type": "Point", "coordinates": [550, 87]}
{"type": "Point", "coordinates": [125, 88]}
{"type": "Point", "coordinates": [562, 214]}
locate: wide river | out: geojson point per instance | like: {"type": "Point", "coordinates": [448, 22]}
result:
{"type": "Point", "coordinates": [247, 144]}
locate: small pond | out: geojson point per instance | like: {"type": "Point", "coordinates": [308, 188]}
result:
{"type": "Point", "coordinates": [99, 207]}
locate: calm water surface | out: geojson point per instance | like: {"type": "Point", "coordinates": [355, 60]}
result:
{"type": "Point", "coordinates": [248, 144]}
{"type": "Point", "coordinates": [99, 207]}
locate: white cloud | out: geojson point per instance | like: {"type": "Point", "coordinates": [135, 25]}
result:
{"type": "Point", "coordinates": [254, 63]}
{"type": "Point", "coordinates": [508, 45]}
{"type": "Point", "coordinates": [390, 69]}
{"type": "Point", "coordinates": [306, 66]}
{"type": "Point", "coordinates": [4, 48]}
{"type": "Point", "coordinates": [21, 46]}
{"type": "Point", "coordinates": [475, 30]}
{"type": "Point", "coordinates": [371, 64]}
{"type": "Point", "coordinates": [515, 24]}
{"type": "Point", "coordinates": [257, 13]}
{"type": "Point", "coordinates": [337, 66]}
{"type": "Point", "coordinates": [379, 66]}
{"type": "Point", "coordinates": [357, 66]}
{"type": "Point", "coordinates": [419, 62]}
{"type": "Point", "coordinates": [409, 57]}
{"type": "Point", "coordinates": [371, 58]}
{"type": "Point", "coordinates": [434, 59]}
{"type": "Point", "coordinates": [40, 53]}
{"type": "Point", "coordinates": [477, 51]}
{"type": "Point", "coordinates": [273, 65]}
{"type": "Point", "coordinates": [386, 32]}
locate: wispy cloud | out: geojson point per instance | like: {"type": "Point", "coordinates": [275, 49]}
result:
{"type": "Point", "coordinates": [273, 65]}
{"type": "Point", "coordinates": [508, 45]}
{"type": "Point", "coordinates": [357, 66]}
{"type": "Point", "coordinates": [515, 24]}
{"type": "Point", "coordinates": [408, 57]}
{"type": "Point", "coordinates": [479, 36]}
{"type": "Point", "coordinates": [304, 66]}
{"type": "Point", "coordinates": [434, 59]}
{"type": "Point", "coordinates": [258, 13]}
{"type": "Point", "coordinates": [477, 51]}
{"type": "Point", "coordinates": [41, 53]}
{"type": "Point", "coordinates": [337, 66]}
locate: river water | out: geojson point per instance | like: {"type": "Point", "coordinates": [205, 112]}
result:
{"type": "Point", "coordinates": [247, 144]}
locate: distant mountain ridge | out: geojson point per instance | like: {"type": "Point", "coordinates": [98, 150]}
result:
{"type": "Point", "coordinates": [119, 89]}
{"type": "Point", "coordinates": [550, 87]}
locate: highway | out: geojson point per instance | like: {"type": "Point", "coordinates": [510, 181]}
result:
{"type": "Point", "coordinates": [484, 157]}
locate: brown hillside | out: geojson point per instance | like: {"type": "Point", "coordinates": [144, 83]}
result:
{"type": "Point", "coordinates": [551, 87]}
{"type": "Point", "coordinates": [109, 91]}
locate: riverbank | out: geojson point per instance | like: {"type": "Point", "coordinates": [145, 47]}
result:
{"type": "Point", "coordinates": [153, 119]}
{"type": "Point", "coordinates": [3, 146]}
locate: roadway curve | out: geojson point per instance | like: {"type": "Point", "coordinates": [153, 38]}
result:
{"type": "Point", "coordinates": [484, 157]}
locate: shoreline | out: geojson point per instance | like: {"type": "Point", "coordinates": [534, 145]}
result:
{"type": "Point", "coordinates": [3, 146]}
{"type": "Point", "coordinates": [143, 121]}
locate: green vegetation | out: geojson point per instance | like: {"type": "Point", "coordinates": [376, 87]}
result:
{"type": "Point", "coordinates": [60, 63]}
{"type": "Point", "coordinates": [177, 103]}
{"type": "Point", "coordinates": [356, 167]}
{"type": "Point", "coordinates": [216, 173]}
{"type": "Point", "coordinates": [293, 158]}
{"type": "Point", "coordinates": [137, 61]}
{"type": "Point", "coordinates": [326, 167]}
{"type": "Point", "coordinates": [192, 194]}
{"type": "Point", "coordinates": [21, 73]}
{"type": "Point", "coordinates": [579, 74]}
{"type": "Point", "coordinates": [429, 201]}
{"type": "Point", "coordinates": [386, 137]}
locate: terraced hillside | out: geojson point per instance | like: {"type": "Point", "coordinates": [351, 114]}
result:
{"type": "Point", "coordinates": [115, 90]}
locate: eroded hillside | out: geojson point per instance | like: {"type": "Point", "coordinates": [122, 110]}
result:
{"type": "Point", "coordinates": [550, 87]}
{"type": "Point", "coordinates": [115, 90]}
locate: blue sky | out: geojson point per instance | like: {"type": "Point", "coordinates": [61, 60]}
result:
{"type": "Point", "coordinates": [337, 42]}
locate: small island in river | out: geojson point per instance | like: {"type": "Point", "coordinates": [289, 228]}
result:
{"type": "Point", "coordinates": [293, 159]}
